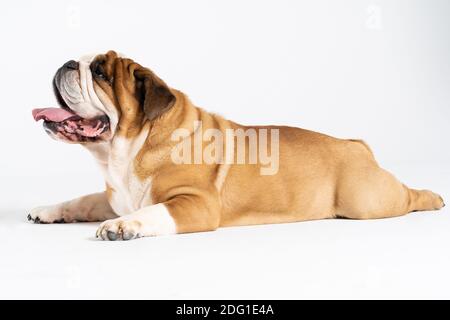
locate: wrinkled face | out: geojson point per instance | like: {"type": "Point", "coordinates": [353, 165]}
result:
{"type": "Point", "coordinates": [102, 95]}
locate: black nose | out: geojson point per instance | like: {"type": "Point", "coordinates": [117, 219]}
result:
{"type": "Point", "coordinates": [71, 65]}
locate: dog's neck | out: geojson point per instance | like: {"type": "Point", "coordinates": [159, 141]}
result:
{"type": "Point", "coordinates": [119, 148]}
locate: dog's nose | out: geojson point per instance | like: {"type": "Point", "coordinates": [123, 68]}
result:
{"type": "Point", "coordinates": [71, 65]}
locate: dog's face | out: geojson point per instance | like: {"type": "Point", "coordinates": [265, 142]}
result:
{"type": "Point", "coordinates": [102, 96]}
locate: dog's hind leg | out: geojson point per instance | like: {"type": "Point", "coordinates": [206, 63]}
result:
{"type": "Point", "coordinates": [366, 191]}
{"type": "Point", "coordinates": [369, 192]}
{"type": "Point", "coordinates": [424, 200]}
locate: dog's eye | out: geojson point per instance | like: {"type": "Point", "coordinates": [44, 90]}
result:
{"type": "Point", "coordinates": [98, 71]}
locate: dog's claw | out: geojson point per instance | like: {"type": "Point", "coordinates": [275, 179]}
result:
{"type": "Point", "coordinates": [35, 220]}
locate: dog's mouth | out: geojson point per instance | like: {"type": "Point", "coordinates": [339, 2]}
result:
{"type": "Point", "coordinates": [65, 124]}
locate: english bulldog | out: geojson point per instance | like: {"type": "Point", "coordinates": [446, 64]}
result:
{"type": "Point", "coordinates": [171, 167]}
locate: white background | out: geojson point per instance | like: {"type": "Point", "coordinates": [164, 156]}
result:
{"type": "Point", "coordinates": [377, 70]}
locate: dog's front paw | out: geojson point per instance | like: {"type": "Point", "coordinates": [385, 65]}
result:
{"type": "Point", "coordinates": [45, 214]}
{"type": "Point", "coordinates": [119, 229]}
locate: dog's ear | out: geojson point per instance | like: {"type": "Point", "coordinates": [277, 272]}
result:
{"type": "Point", "coordinates": [156, 97]}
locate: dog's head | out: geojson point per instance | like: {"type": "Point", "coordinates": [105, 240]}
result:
{"type": "Point", "coordinates": [101, 96]}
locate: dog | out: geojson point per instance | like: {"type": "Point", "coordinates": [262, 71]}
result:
{"type": "Point", "coordinates": [127, 117]}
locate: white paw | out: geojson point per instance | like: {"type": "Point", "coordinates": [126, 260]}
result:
{"type": "Point", "coordinates": [119, 229]}
{"type": "Point", "coordinates": [45, 214]}
{"type": "Point", "coordinates": [149, 221]}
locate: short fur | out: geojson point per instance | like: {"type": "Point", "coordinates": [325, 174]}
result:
{"type": "Point", "coordinates": [319, 176]}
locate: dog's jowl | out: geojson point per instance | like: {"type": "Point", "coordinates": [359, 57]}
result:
{"type": "Point", "coordinates": [171, 167]}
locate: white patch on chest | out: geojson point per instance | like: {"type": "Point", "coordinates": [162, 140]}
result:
{"type": "Point", "coordinates": [129, 193]}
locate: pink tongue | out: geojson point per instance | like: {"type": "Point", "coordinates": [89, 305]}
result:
{"type": "Point", "coordinates": [52, 114]}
